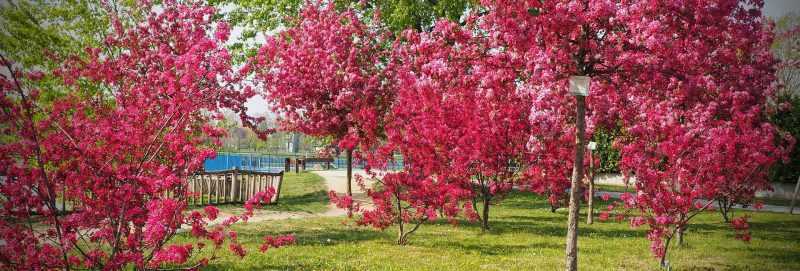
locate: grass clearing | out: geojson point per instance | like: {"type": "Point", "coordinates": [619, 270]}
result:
{"type": "Point", "coordinates": [525, 235]}
{"type": "Point", "coordinates": [300, 192]}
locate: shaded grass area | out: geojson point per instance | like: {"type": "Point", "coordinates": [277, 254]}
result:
{"type": "Point", "coordinates": [525, 235]}
{"type": "Point", "coordinates": [300, 192]}
{"type": "Point", "coordinates": [619, 188]}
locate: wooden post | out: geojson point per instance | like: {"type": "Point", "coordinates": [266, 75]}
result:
{"type": "Point", "coordinates": [202, 190]}
{"type": "Point", "coordinates": [251, 186]}
{"type": "Point", "coordinates": [201, 195]}
{"type": "Point", "coordinates": [195, 179]}
{"type": "Point", "coordinates": [270, 180]}
{"type": "Point", "coordinates": [213, 179]}
{"type": "Point", "coordinates": [297, 165]}
{"type": "Point", "coordinates": [205, 185]}
{"type": "Point", "coordinates": [794, 196]}
{"type": "Point", "coordinates": [224, 188]}
{"type": "Point", "coordinates": [577, 174]}
{"type": "Point", "coordinates": [245, 183]}
{"type": "Point", "coordinates": [209, 180]}
{"type": "Point", "coordinates": [260, 182]}
{"type": "Point", "coordinates": [253, 179]}
{"type": "Point", "coordinates": [250, 182]}
{"type": "Point", "coordinates": [237, 185]}
{"type": "Point", "coordinates": [278, 190]}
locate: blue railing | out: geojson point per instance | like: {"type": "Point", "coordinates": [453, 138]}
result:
{"type": "Point", "coordinates": [270, 162]}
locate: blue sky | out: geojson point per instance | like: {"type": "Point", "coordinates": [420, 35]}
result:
{"type": "Point", "coordinates": [778, 8]}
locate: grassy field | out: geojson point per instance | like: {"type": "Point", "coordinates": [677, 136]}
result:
{"type": "Point", "coordinates": [303, 192]}
{"type": "Point", "coordinates": [619, 188]}
{"type": "Point", "coordinates": [525, 236]}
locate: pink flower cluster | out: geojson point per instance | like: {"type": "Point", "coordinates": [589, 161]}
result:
{"type": "Point", "coordinates": [276, 242]}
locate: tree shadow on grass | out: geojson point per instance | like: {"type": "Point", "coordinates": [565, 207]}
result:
{"type": "Point", "coordinates": [775, 230]}
{"type": "Point", "coordinates": [309, 241]}
{"type": "Point", "coordinates": [541, 225]}
{"type": "Point", "coordinates": [489, 249]}
{"type": "Point", "coordinates": [524, 201]}
{"type": "Point", "coordinates": [323, 235]}
{"type": "Point", "coordinates": [781, 230]}
{"type": "Point", "coordinates": [778, 255]}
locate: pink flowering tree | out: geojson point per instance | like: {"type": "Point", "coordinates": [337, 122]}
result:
{"type": "Point", "coordinates": [687, 81]}
{"type": "Point", "coordinates": [326, 76]}
{"type": "Point", "coordinates": [460, 124]}
{"type": "Point", "coordinates": [98, 180]}
{"type": "Point", "coordinates": [459, 115]}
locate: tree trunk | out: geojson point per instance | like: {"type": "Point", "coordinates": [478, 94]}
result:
{"type": "Point", "coordinates": [350, 172]}
{"type": "Point", "coordinates": [577, 174]}
{"type": "Point", "coordinates": [485, 219]}
{"type": "Point", "coordinates": [794, 197]}
{"type": "Point", "coordinates": [590, 200]}
{"type": "Point", "coordinates": [723, 209]}
{"type": "Point", "coordinates": [401, 235]}
{"type": "Point", "coordinates": [664, 261]}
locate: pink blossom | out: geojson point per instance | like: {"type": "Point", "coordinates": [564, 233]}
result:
{"type": "Point", "coordinates": [223, 31]}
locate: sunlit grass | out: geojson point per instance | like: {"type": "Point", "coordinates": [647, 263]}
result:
{"type": "Point", "coordinates": [525, 235]}
{"type": "Point", "coordinates": [300, 192]}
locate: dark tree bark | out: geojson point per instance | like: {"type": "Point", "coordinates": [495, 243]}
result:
{"type": "Point", "coordinates": [350, 172]}
{"type": "Point", "coordinates": [485, 219]}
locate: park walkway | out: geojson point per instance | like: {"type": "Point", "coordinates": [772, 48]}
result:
{"type": "Point", "coordinates": [765, 208]}
{"type": "Point", "coordinates": [618, 180]}
{"type": "Point", "coordinates": [336, 180]}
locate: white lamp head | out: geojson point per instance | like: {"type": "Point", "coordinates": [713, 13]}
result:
{"type": "Point", "coordinates": [592, 145]}
{"type": "Point", "coordinates": [579, 85]}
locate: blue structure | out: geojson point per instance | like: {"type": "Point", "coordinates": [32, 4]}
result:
{"type": "Point", "coordinates": [267, 163]}
{"type": "Point", "coordinates": [245, 161]}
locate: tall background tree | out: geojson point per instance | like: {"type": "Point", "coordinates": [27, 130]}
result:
{"type": "Point", "coordinates": [258, 19]}
{"type": "Point", "coordinates": [787, 116]}
{"type": "Point", "coordinates": [324, 77]}
{"type": "Point", "coordinates": [459, 120]}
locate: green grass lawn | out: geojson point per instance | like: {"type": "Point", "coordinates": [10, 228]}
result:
{"type": "Point", "coordinates": [619, 188]}
{"type": "Point", "coordinates": [303, 192]}
{"type": "Point", "coordinates": [525, 236]}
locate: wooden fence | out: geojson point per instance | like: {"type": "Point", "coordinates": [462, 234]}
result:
{"type": "Point", "coordinates": [232, 186]}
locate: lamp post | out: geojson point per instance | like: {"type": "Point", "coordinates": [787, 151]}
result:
{"type": "Point", "coordinates": [579, 87]}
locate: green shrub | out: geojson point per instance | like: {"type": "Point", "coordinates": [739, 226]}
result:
{"type": "Point", "coordinates": [609, 156]}
{"type": "Point", "coordinates": [788, 121]}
